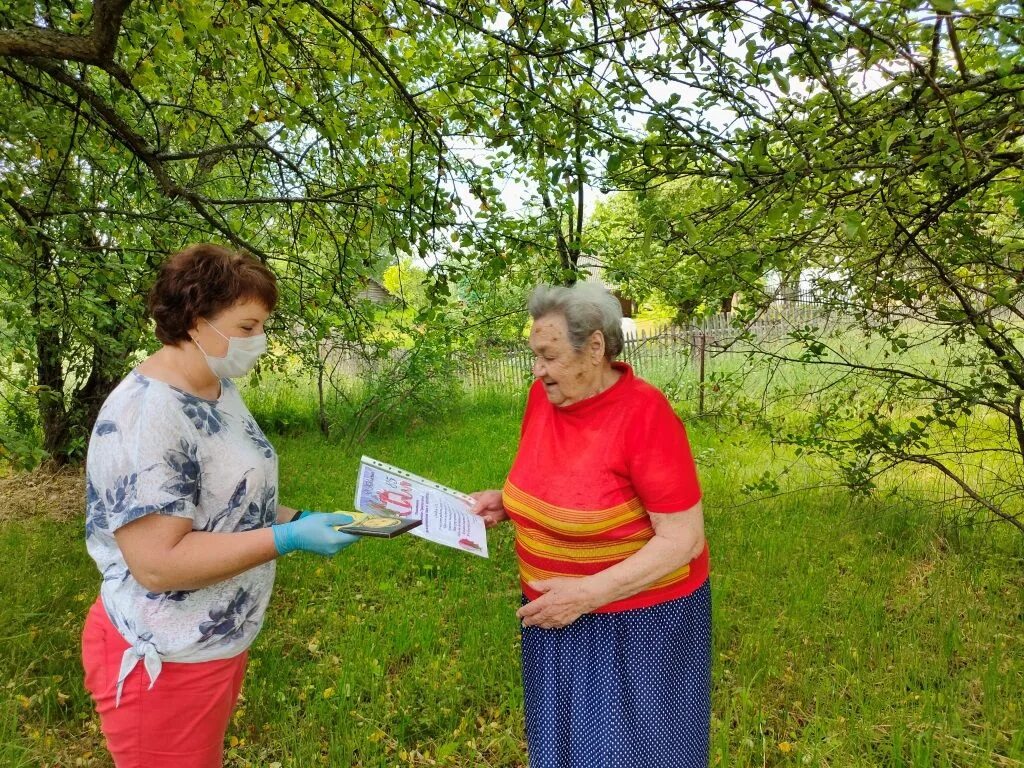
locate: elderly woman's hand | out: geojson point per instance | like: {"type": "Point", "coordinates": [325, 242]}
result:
{"type": "Point", "coordinates": [489, 506]}
{"type": "Point", "coordinates": [564, 600]}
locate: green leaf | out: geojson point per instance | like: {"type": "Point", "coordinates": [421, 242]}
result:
{"type": "Point", "coordinates": [852, 223]}
{"type": "Point", "coordinates": [1017, 196]}
{"type": "Point", "coordinates": [781, 81]}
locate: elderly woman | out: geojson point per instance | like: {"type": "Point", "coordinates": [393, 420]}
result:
{"type": "Point", "coordinates": [183, 519]}
{"type": "Point", "coordinates": [603, 493]}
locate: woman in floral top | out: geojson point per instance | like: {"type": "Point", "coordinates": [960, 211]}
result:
{"type": "Point", "coordinates": [183, 519]}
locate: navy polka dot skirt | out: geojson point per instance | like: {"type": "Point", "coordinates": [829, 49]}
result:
{"type": "Point", "coordinates": [622, 690]}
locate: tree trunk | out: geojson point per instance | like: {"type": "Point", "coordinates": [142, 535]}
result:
{"type": "Point", "coordinates": [53, 412]}
{"type": "Point", "coordinates": [106, 372]}
{"type": "Point", "coordinates": [325, 425]}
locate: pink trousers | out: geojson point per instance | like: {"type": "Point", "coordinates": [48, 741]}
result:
{"type": "Point", "coordinates": [180, 723]}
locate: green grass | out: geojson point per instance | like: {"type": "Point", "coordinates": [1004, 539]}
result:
{"type": "Point", "coordinates": [846, 634]}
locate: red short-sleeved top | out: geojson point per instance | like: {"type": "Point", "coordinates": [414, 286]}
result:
{"type": "Point", "coordinates": [585, 477]}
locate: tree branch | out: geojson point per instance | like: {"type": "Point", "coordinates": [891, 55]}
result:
{"type": "Point", "coordinates": [96, 48]}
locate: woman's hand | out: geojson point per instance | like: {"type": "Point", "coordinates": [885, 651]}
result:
{"type": "Point", "coordinates": [489, 507]}
{"type": "Point", "coordinates": [564, 600]}
{"type": "Point", "coordinates": [315, 532]}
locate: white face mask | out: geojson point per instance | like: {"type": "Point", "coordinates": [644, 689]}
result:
{"type": "Point", "coordinates": [241, 357]}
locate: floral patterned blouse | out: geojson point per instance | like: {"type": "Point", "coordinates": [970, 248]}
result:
{"type": "Point", "coordinates": [156, 449]}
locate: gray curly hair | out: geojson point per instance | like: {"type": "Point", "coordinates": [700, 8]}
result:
{"type": "Point", "coordinates": [586, 307]}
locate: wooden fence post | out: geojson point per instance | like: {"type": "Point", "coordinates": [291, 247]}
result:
{"type": "Point", "coordinates": [700, 380]}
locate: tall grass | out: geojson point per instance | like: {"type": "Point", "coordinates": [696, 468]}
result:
{"type": "Point", "coordinates": [846, 633]}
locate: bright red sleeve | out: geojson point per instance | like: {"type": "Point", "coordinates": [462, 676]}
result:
{"type": "Point", "coordinates": [659, 457]}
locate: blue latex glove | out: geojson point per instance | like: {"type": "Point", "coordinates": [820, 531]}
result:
{"type": "Point", "coordinates": [313, 532]}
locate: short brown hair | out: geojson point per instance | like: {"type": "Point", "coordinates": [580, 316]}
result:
{"type": "Point", "coordinates": [202, 280]}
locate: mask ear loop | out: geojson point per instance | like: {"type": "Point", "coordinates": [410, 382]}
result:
{"type": "Point", "coordinates": [226, 338]}
{"type": "Point", "coordinates": [195, 341]}
{"type": "Point", "coordinates": [199, 346]}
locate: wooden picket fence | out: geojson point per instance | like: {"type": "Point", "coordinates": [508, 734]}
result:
{"type": "Point", "coordinates": [666, 352]}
